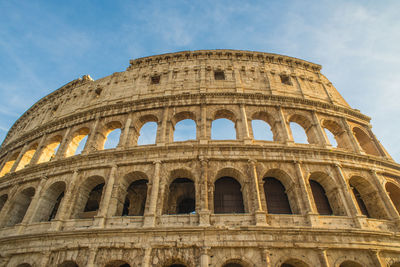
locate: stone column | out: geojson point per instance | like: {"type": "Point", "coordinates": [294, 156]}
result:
{"type": "Point", "coordinates": [287, 136]}
{"type": "Point", "coordinates": [304, 191]}
{"type": "Point", "coordinates": [33, 205]}
{"type": "Point", "coordinates": [204, 213]}
{"type": "Point", "coordinates": [149, 218]}
{"type": "Point", "coordinates": [260, 215]}
{"type": "Point", "coordinates": [204, 258]}
{"type": "Point", "coordinates": [244, 125]}
{"type": "Point", "coordinates": [123, 143]}
{"type": "Point", "coordinates": [16, 163]}
{"type": "Point", "coordinates": [377, 259]}
{"type": "Point", "coordinates": [323, 258]}
{"type": "Point", "coordinates": [38, 150]}
{"type": "Point", "coordinates": [6, 159]}
{"type": "Point", "coordinates": [66, 205]}
{"type": "Point", "coordinates": [92, 257]}
{"type": "Point", "coordinates": [161, 138]}
{"type": "Point", "coordinates": [357, 218]}
{"type": "Point", "coordinates": [266, 257]}
{"type": "Point", "coordinates": [390, 208]}
{"type": "Point", "coordinates": [323, 140]}
{"type": "Point", "coordinates": [146, 257]}
{"type": "Point", "coordinates": [91, 140]}
{"type": "Point", "coordinates": [63, 145]}
{"type": "Point", "coordinates": [353, 140]}
{"type": "Point", "coordinates": [45, 258]}
{"type": "Point", "coordinates": [101, 215]}
{"type": "Point", "coordinates": [203, 135]}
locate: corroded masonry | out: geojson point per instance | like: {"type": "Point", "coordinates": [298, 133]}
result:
{"type": "Point", "coordinates": [198, 202]}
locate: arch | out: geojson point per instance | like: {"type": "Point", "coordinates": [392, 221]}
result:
{"type": "Point", "coordinates": [338, 132]}
{"type": "Point", "coordinates": [350, 264]}
{"type": "Point", "coordinates": [320, 199]}
{"type": "Point", "coordinates": [394, 194]}
{"type": "Point", "coordinates": [117, 263]}
{"type": "Point", "coordinates": [27, 157]}
{"type": "Point", "coordinates": [3, 200]}
{"type": "Point", "coordinates": [236, 262]}
{"type": "Point", "coordinates": [367, 198]}
{"type": "Point", "coordinates": [48, 204]}
{"type": "Point", "coordinates": [68, 264]}
{"type": "Point", "coordinates": [330, 194]}
{"type": "Point", "coordinates": [132, 194]}
{"type": "Point", "coordinates": [267, 129]}
{"type": "Point", "coordinates": [185, 130]}
{"type": "Point", "coordinates": [50, 150]}
{"type": "Point", "coordinates": [181, 198]}
{"type": "Point", "coordinates": [20, 205]}
{"type": "Point", "coordinates": [307, 129]}
{"type": "Point", "coordinates": [262, 130]}
{"type": "Point", "coordinates": [294, 263]}
{"type": "Point", "coordinates": [288, 183]}
{"type": "Point", "coordinates": [223, 126]}
{"type": "Point", "coordinates": [77, 141]}
{"type": "Point", "coordinates": [135, 199]}
{"type": "Point", "coordinates": [276, 198]}
{"type": "Point", "coordinates": [111, 135]}
{"type": "Point", "coordinates": [228, 196]}
{"type": "Point", "coordinates": [89, 197]}
{"type": "Point", "coordinates": [9, 164]}
{"type": "Point", "coordinates": [148, 133]}
{"type": "Point", "coordinates": [365, 141]}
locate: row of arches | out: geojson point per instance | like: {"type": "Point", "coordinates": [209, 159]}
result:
{"type": "Point", "coordinates": [185, 126]}
{"type": "Point", "coordinates": [292, 262]}
{"type": "Point", "coordinates": [181, 195]}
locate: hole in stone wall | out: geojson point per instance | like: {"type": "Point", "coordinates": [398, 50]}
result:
{"type": "Point", "coordinates": [262, 130]}
{"type": "Point", "coordinates": [298, 133]}
{"type": "Point", "coordinates": [331, 137]}
{"type": "Point", "coordinates": [148, 134]}
{"type": "Point", "coordinates": [223, 129]}
{"type": "Point", "coordinates": [135, 199]}
{"type": "Point", "coordinates": [219, 75]}
{"type": "Point", "coordinates": [155, 79]}
{"type": "Point", "coordinates": [185, 130]}
{"type": "Point", "coordinates": [320, 198]}
{"type": "Point", "coordinates": [285, 79]}
{"type": "Point", "coordinates": [112, 139]}
{"type": "Point", "coordinates": [93, 202]}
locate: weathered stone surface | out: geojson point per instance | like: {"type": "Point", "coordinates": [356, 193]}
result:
{"type": "Point", "coordinates": [110, 207]}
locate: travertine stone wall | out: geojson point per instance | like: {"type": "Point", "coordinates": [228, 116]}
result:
{"type": "Point", "coordinates": [48, 212]}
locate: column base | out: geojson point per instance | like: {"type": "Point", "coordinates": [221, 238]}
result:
{"type": "Point", "coordinates": [149, 221]}
{"type": "Point", "coordinates": [260, 218]}
{"type": "Point", "coordinates": [204, 218]}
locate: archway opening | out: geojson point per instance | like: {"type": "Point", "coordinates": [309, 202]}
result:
{"type": "Point", "coordinates": [365, 141]}
{"type": "Point", "coordinates": [360, 202]}
{"type": "Point", "coordinates": [262, 130]}
{"type": "Point", "coordinates": [135, 199]}
{"type": "Point", "coordinates": [148, 134]}
{"type": "Point", "coordinates": [185, 130]}
{"type": "Point", "coordinates": [350, 264]}
{"type": "Point", "coordinates": [276, 197]}
{"type": "Point", "coordinates": [112, 138]}
{"type": "Point", "coordinates": [223, 129]}
{"type": "Point", "coordinates": [68, 264]}
{"type": "Point", "coordinates": [50, 150]}
{"type": "Point", "coordinates": [181, 197]}
{"type": "Point", "coordinates": [93, 202]}
{"type": "Point", "coordinates": [228, 196]}
{"type": "Point", "coordinates": [298, 133]}
{"type": "Point", "coordinates": [320, 199]}
{"type": "Point", "coordinates": [3, 200]}
{"type": "Point", "coordinates": [27, 157]}
{"type": "Point", "coordinates": [48, 204]}
{"type": "Point", "coordinates": [20, 206]}
{"type": "Point", "coordinates": [78, 142]}
{"type": "Point", "coordinates": [394, 194]}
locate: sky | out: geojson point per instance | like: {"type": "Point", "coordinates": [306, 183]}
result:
{"type": "Point", "coordinates": [46, 44]}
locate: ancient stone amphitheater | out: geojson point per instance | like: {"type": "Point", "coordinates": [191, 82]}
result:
{"type": "Point", "coordinates": [203, 202]}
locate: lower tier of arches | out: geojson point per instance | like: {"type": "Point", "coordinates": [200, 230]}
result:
{"type": "Point", "coordinates": [190, 247]}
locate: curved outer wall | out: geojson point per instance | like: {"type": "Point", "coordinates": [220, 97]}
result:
{"type": "Point", "coordinates": [46, 218]}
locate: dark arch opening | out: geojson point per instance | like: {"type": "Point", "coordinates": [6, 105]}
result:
{"type": "Point", "coordinates": [228, 196]}
{"type": "Point", "coordinates": [3, 200]}
{"type": "Point", "coordinates": [233, 265]}
{"type": "Point", "coordinates": [93, 202]}
{"type": "Point", "coordinates": [276, 197]}
{"type": "Point", "coordinates": [68, 264]}
{"type": "Point", "coordinates": [350, 264]}
{"type": "Point", "coordinates": [360, 203]}
{"type": "Point", "coordinates": [181, 197]}
{"type": "Point", "coordinates": [135, 200]}
{"type": "Point", "coordinates": [320, 199]}
{"type": "Point", "coordinates": [20, 206]}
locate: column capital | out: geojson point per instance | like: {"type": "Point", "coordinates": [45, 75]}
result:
{"type": "Point", "coordinates": [157, 162]}
{"type": "Point", "coordinates": [252, 161]}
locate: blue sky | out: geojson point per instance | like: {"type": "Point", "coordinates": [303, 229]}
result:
{"type": "Point", "coordinates": [46, 44]}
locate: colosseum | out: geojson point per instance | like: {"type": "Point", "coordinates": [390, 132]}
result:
{"type": "Point", "coordinates": [68, 198]}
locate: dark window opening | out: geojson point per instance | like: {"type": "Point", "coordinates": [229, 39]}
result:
{"type": "Point", "coordinates": [155, 79]}
{"type": "Point", "coordinates": [56, 206]}
{"type": "Point", "coordinates": [285, 79]}
{"type": "Point", "coordinates": [219, 75]}
{"type": "Point", "coordinates": [187, 205]}
{"type": "Point", "coordinates": [320, 199]}
{"type": "Point", "coordinates": [135, 199]}
{"type": "Point", "coordinates": [277, 200]}
{"type": "Point", "coordinates": [228, 196]}
{"type": "Point", "coordinates": [94, 198]}
{"type": "Point", "coordinates": [360, 203]}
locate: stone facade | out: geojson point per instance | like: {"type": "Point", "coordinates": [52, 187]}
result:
{"type": "Point", "coordinates": [173, 203]}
